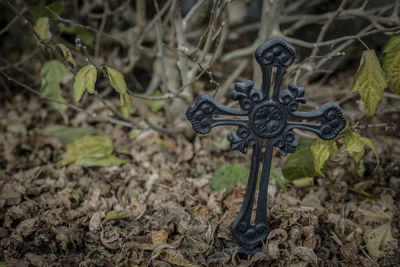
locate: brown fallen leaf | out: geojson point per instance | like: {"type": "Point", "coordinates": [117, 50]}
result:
{"type": "Point", "coordinates": [306, 254]}
{"type": "Point", "coordinates": [26, 227]}
{"type": "Point", "coordinates": [175, 257]}
{"type": "Point", "coordinates": [136, 208]}
{"type": "Point", "coordinates": [159, 237]}
{"type": "Point", "coordinates": [377, 237]}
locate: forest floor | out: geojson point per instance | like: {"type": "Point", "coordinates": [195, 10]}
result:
{"type": "Point", "coordinates": [163, 209]}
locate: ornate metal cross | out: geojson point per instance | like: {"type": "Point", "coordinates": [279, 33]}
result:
{"type": "Point", "coordinates": [267, 118]}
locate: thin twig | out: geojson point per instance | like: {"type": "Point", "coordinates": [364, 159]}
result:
{"type": "Point", "coordinates": [21, 61]}
{"type": "Point", "coordinates": [338, 40]}
{"type": "Point", "coordinates": [101, 29]}
{"type": "Point", "coordinates": [326, 26]}
{"type": "Point", "coordinates": [91, 114]}
{"type": "Point", "coordinates": [8, 26]}
{"type": "Point", "coordinates": [162, 129]}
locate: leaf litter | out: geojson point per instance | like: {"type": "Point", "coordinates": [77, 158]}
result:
{"type": "Point", "coordinates": [158, 207]}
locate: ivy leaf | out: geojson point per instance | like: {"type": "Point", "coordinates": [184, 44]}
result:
{"type": "Point", "coordinates": [391, 63]}
{"type": "Point", "coordinates": [355, 146]}
{"type": "Point", "coordinates": [117, 80]}
{"type": "Point", "coordinates": [377, 237]}
{"type": "Point", "coordinates": [54, 73]}
{"type": "Point", "coordinates": [85, 79]}
{"type": "Point", "coordinates": [42, 28]}
{"type": "Point", "coordinates": [321, 150]}
{"type": "Point", "coordinates": [125, 105]}
{"type": "Point", "coordinates": [370, 81]}
{"type": "Point", "coordinates": [67, 54]}
{"type": "Point", "coordinates": [300, 164]}
{"type": "Point", "coordinates": [228, 175]}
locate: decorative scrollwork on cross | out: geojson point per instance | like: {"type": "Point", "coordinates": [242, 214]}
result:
{"type": "Point", "coordinates": [269, 119]}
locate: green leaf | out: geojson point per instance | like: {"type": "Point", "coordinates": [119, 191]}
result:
{"type": "Point", "coordinates": [377, 237]}
{"type": "Point", "coordinates": [87, 146]}
{"type": "Point", "coordinates": [370, 81]}
{"type": "Point", "coordinates": [94, 161]}
{"type": "Point", "coordinates": [155, 105]}
{"type": "Point", "coordinates": [116, 214]}
{"type": "Point", "coordinates": [321, 150]}
{"type": "Point", "coordinates": [52, 11]}
{"type": "Point", "coordinates": [67, 134]}
{"type": "Point", "coordinates": [374, 215]}
{"type": "Point", "coordinates": [355, 146]}
{"type": "Point", "coordinates": [84, 34]}
{"type": "Point", "coordinates": [134, 133]}
{"type": "Point", "coordinates": [300, 164]}
{"type": "Point", "coordinates": [42, 28]}
{"type": "Point", "coordinates": [85, 79]}
{"type": "Point", "coordinates": [125, 105]}
{"type": "Point", "coordinates": [228, 175]}
{"type": "Point", "coordinates": [67, 54]}
{"type": "Point", "coordinates": [117, 80]}
{"type": "Point", "coordinates": [391, 63]}
{"type": "Point", "coordinates": [55, 73]}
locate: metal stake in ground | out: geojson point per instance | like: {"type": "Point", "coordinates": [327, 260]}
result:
{"type": "Point", "coordinates": [267, 118]}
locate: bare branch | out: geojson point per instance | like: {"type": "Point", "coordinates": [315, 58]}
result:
{"type": "Point", "coordinates": [324, 28]}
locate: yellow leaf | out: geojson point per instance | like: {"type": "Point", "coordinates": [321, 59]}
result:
{"type": "Point", "coordinates": [375, 214]}
{"type": "Point", "coordinates": [355, 146]}
{"type": "Point", "coordinates": [376, 237]}
{"type": "Point", "coordinates": [303, 182]}
{"type": "Point", "coordinates": [159, 237]}
{"type": "Point", "coordinates": [87, 146]}
{"type": "Point", "coordinates": [67, 54]}
{"type": "Point", "coordinates": [85, 79]}
{"type": "Point", "coordinates": [99, 161]}
{"type": "Point", "coordinates": [321, 150]}
{"type": "Point", "coordinates": [125, 104]}
{"type": "Point", "coordinates": [116, 80]}
{"type": "Point", "coordinates": [370, 81]}
{"type": "Point", "coordinates": [116, 214]}
{"type": "Point", "coordinates": [42, 28]}
{"type": "Point", "coordinates": [391, 63]}
{"type": "Point", "coordinates": [392, 43]}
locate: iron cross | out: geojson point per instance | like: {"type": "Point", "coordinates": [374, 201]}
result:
{"type": "Point", "coordinates": [267, 118]}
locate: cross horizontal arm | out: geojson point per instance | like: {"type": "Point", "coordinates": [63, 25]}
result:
{"type": "Point", "coordinates": [201, 114]}
{"type": "Point", "coordinates": [331, 119]}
